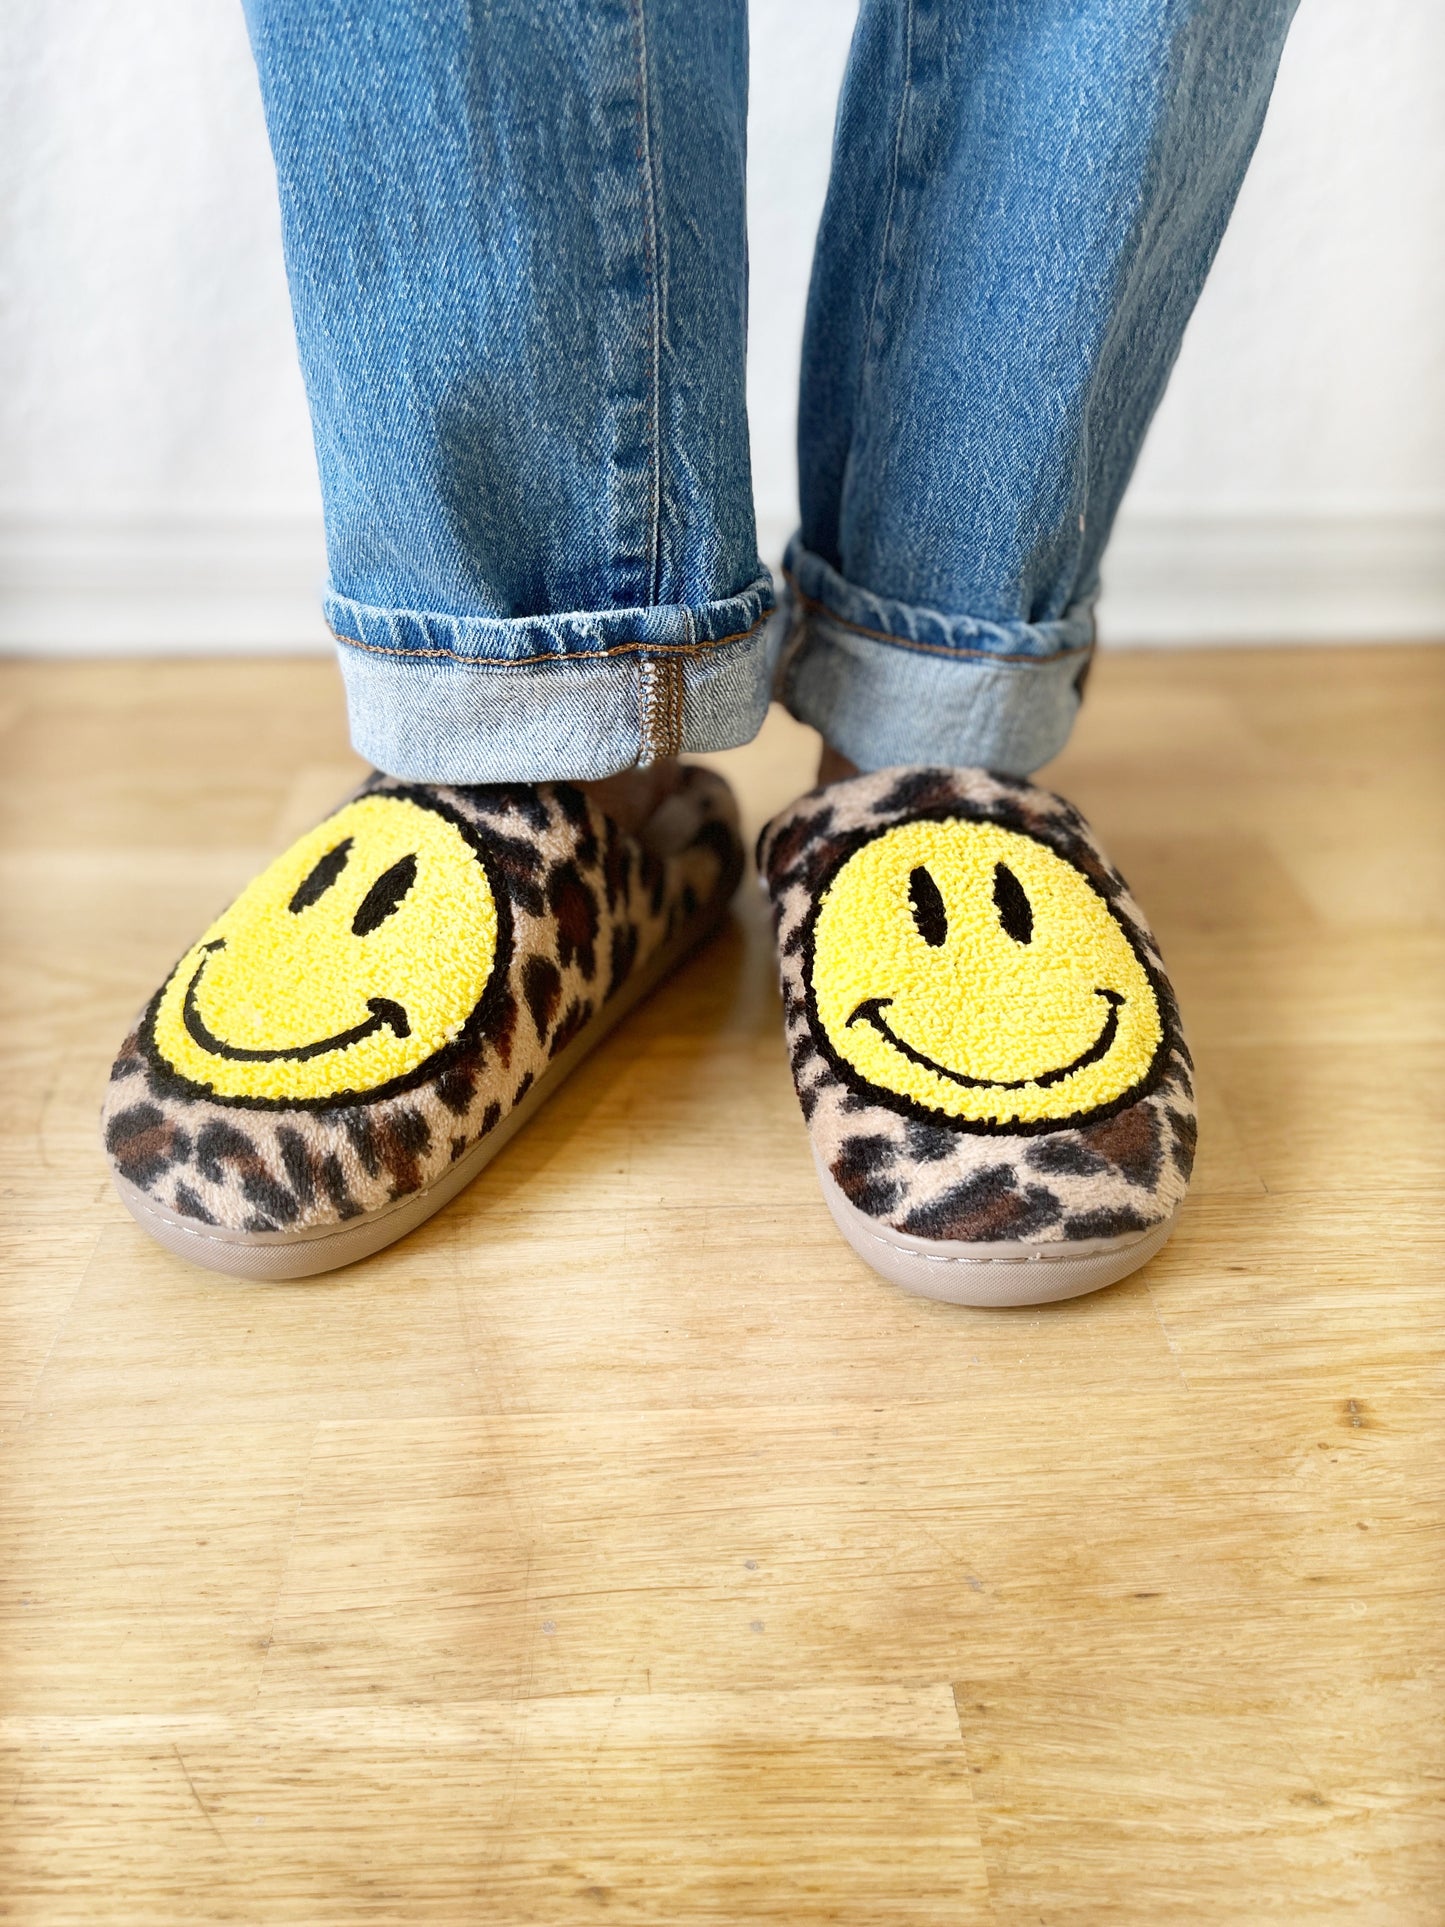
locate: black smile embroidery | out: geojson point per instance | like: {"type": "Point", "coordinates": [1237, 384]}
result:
{"type": "Point", "coordinates": [384, 1013]}
{"type": "Point", "coordinates": [871, 1012]}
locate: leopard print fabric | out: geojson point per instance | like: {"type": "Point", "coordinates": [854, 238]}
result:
{"type": "Point", "coordinates": [1105, 1179]}
{"type": "Point", "coordinates": [588, 907]}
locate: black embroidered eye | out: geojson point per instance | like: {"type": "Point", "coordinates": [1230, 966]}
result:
{"type": "Point", "coordinates": [383, 896]}
{"type": "Point", "coordinates": [928, 912]}
{"type": "Point", "coordinates": [1015, 912]}
{"type": "Point", "coordinates": [319, 879]}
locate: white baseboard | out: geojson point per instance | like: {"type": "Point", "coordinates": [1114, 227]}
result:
{"type": "Point", "coordinates": [222, 585]}
{"type": "Point", "coordinates": [1175, 579]}
{"type": "Point", "coordinates": [217, 585]}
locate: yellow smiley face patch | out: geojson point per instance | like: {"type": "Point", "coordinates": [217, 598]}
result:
{"type": "Point", "coordinates": [346, 968]}
{"type": "Point", "coordinates": [972, 975]}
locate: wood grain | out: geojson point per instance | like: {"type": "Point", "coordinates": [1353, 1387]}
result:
{"type": "Point", "coordinates": [618, 1548]}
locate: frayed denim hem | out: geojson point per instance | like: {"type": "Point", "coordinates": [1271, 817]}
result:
{"type": "Point", "coordinates": [586, 635]}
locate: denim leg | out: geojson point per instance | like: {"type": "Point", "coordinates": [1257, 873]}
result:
{"type": "Point", "coordinates": [1026, 197]}
{"type": "Point", "coordinates": [515, 241]}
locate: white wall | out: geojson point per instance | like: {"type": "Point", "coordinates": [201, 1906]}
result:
{"type": "Point", "coordinates": [156, 487]}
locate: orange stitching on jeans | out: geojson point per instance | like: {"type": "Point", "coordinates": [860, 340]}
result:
{"type": "Point", "coordinates": [928, 648]}
{"type": "Point", "coordinates": [561, 655]}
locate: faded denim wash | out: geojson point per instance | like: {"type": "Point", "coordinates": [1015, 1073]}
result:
{"type": "Point", "coordinates": [516, 244]}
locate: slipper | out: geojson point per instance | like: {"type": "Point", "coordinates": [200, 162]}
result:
{"type": "Point", "coordinates": [984, 1042]}
{"type": "Point", "coordinates": [379, 1012]}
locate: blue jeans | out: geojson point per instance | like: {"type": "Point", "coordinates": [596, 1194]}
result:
{"type": "Point", "coordinates": [516, 245]}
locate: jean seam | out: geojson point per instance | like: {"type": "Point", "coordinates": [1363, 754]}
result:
{"type": "Point", "coordinates": [814, 607]}
{"type": "Point", "coordinates": [865, 359]}
{"type": "Point", "coordinates": [660, 691]}
{"type": "Point", "coordinates": [654, 297]}
{"type": "Point", "coordinates": [697, 647]}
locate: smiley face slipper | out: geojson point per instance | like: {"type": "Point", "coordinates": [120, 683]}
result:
{"type": "Point", "coordinates": [984, 1042]}
{"type": "Point", "coordinates": [384, 1006]}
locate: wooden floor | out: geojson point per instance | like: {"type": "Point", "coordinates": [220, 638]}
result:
{"type": "Point", "coordinates": [618, 1548]}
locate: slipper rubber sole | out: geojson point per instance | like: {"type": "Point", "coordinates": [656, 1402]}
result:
{"type": "Point", "coordinates": [990, 1274]}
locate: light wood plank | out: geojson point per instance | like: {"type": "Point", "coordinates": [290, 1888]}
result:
{"type": "Point", "coordinates": [795, 1807]}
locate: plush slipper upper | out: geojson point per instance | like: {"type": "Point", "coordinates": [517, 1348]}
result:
{"type": "Point", "coordinates": [391, 987]}
{"type": "Point", "coordinates": [983, 1038]}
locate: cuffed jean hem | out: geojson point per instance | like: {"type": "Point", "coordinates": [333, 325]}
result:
{"type": "Point", "coordinates": [890, 683]}
{"type": "Point", "coordinates": [451, 699]}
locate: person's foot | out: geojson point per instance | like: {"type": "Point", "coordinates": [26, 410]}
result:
{"type": "Point", "coordinates": [383, 1007]}
{"type": "Point", "coordinates": [985, 1044]}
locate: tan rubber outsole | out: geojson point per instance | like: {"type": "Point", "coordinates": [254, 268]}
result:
{"type": "Point", "coordinates": [273, 1256]}
{"type": "Point", "coordinates": [989, 1274]}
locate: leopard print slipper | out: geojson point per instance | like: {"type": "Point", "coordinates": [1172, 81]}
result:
{"type": "Point", "coordinates": [985, 1045]}
{"type": "Point", "coordinates": [385, 1006]}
